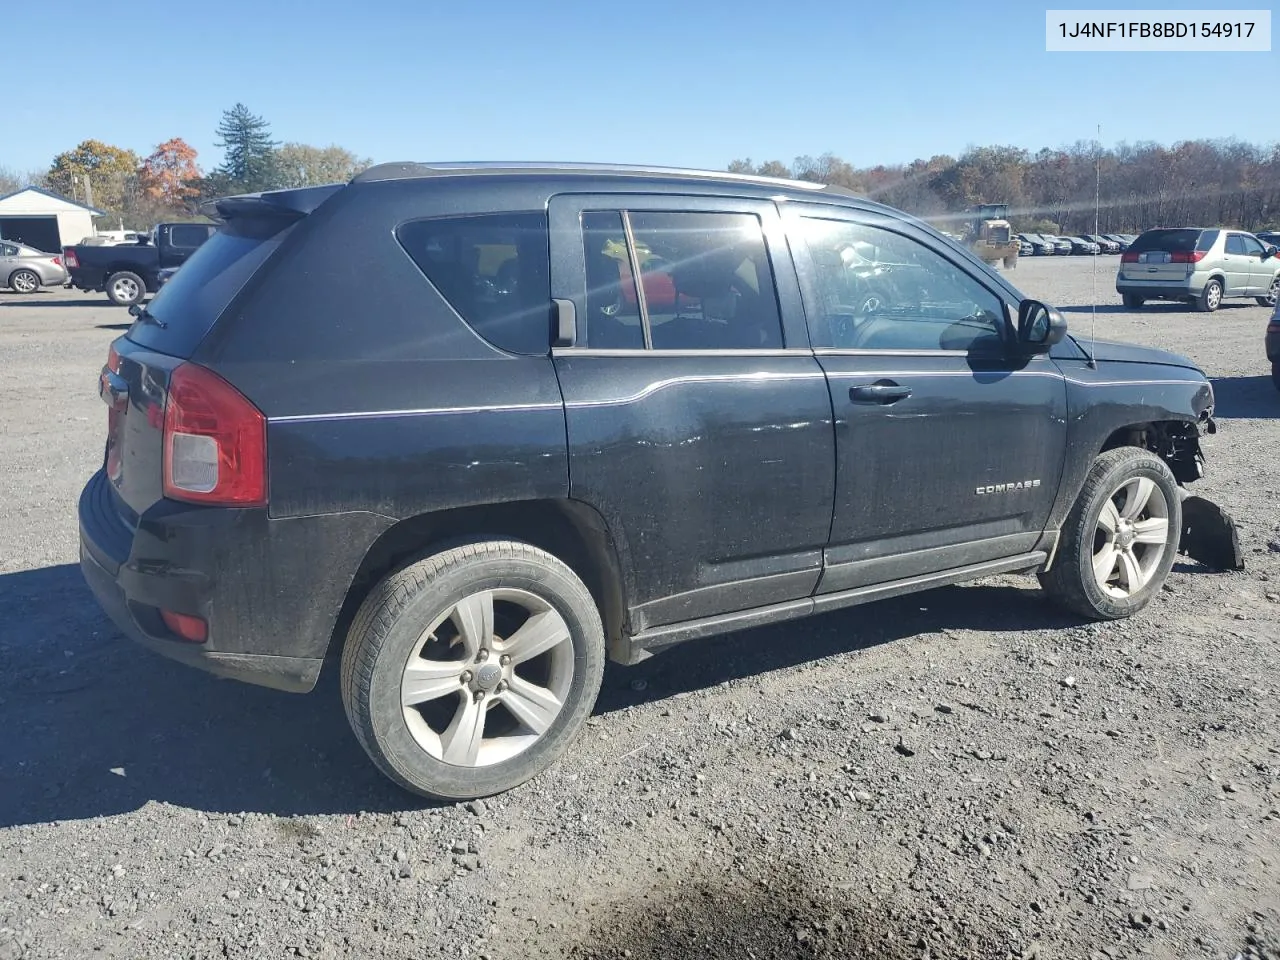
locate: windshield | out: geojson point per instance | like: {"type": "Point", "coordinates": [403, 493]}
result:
{"type": "Point", "coordinates": [186, 307]}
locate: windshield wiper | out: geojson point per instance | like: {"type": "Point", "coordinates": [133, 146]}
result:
{"type": "Point", "coordinates": [143, 315]}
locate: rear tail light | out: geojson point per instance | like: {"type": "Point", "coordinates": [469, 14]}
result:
{"type": "Point", "coordinates": [69, 255]}
{"type": "Point", "coordinates": [57, 261]}
{"type": "Point", "coordinates": [1186, 256]}
{"type": "Point", "coordinates": [1128, 257]}
{"type": "Point", "coordinates": [215, 442]}
{"type": "Point", "coordinates": [189, 628]}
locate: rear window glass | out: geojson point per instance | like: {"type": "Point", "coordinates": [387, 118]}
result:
{"type": "Point", "coordinates": [190, 303]}
{"type": "Point", "coordinates": [1170, 241]}
{"type": "Point", "coordinates": [494, 270]}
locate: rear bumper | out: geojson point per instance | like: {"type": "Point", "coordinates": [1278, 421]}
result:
{"type": "Point", "coordinates": [294, 674]}
{"type": "Point", "coordinates": [1160, 289]}
{"type": "Point", "coordinates": [270, 591]}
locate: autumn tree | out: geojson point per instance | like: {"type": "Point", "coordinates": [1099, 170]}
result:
{"type": "Point", "coordinates": [107, 169]}
{"type": "Point", "coordinates": [302, 165]}
{"type": "Point", "coordinates": [249, 163]}
{"type": "Point", "coordinates": [167, 176]}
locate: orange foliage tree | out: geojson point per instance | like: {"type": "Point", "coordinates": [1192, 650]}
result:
{"type": "Point", "coordinates": [166, 176]}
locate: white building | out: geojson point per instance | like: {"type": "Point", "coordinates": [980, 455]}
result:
{"type": "Point", "coordinates": [44, 220]}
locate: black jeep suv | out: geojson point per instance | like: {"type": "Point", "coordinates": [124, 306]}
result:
{"type": "Point", "coordinates": [471, 430]}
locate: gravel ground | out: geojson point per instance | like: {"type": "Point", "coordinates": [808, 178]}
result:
{"type": "Point", "coordinates": [961, 773]}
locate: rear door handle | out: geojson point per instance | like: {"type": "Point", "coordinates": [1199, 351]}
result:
{"type": "Point", "coordinates": [882, 392]}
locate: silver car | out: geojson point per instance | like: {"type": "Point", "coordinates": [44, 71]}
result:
{"type": "Point", "coordinates": [1203, 267]}
{"type": "Point", "coordinates": [25, 269]}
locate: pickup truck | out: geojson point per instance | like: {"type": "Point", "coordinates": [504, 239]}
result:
{"type": "Point", "coordinates": [128, 271]}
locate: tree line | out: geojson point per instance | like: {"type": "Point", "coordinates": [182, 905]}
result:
{"type": "Point", "coordinates": [1227, 183]}
{"type": "Point", "coordinates": [169, 183]}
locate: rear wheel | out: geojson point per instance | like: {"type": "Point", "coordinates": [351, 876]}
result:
{"type": "Point", "coordinates": [124, 289]}
{"type": "Point", "coordinates": [1273, 294]}
{"type": "Point", "coordinates": [473, 670]}
{"type": "Point", "coordinates": [1210, 297]}
{"type": "Point", "coordinates": [1120, 539]}
{"type": "Point", "coordinates": [24, 281]}
{"type": "Point", "coordinates": [1133, 301]}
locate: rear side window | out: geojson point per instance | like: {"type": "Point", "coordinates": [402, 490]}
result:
{"type": "Point", "coordinates": [494, 270]}
{"type": "Point", "coordinates": [186, 307]}
{"type": "Point", "coordinates": [188, 234]}
{"type": "Point", "coordinates": [705, 282]}
{"type": "Point", "coordinates": [1172, 241]}
{"type": "Point", "coordinates": [1235, 243]}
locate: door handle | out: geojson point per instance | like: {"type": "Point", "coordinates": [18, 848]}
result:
{"type": "Point", "coordinates": [883, 392]}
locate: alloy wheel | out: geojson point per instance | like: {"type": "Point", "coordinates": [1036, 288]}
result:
{"type": "Point", "coordinates": [1131, 537]}
{"type": "Point", "coordinates": [488, 678]}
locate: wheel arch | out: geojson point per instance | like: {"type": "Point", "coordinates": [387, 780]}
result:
{"type": "Point", "coordinates": [569, 530]}
{"type": "Point", "coordinates": [1176, 442]}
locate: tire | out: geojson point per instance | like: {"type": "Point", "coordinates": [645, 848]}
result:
{"type": "Point", "coordinates": [1010, 263]}
{"type": "Point", "coordinates": [423, 609]}
{"type": "Point", "coordinates": [24, 281]}
{"type": "Point", "coordinates": [1132, 301]}
{"type": "Point", "coordinates": [1071, 581]}
{"type": "Point", "coordinates": [1273, 294]}
{"type": "Point", "coordinates": [1210, 297]}
{"type": "Point", "coordinates": [125, 288]}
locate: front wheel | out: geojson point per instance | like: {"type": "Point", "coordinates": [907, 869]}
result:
{"type": "Point", "coordinates": [124, 289]}
{"type": "Point", "coordinates": [24, 281]}
{"type": "Point", "coordinates": [1120, 539]}
{"type": "Point", "coordinates": [1210, 297]}
{"type": "Point", "coordinates": [473, 670]}
{"type": "Point", "coordinates": [1132, 301]}
{"type": "Point", "coordinates": [1273, 294]}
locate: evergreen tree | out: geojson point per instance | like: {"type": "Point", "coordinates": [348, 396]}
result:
{"type": "Point", "coordinates": [250, 159]}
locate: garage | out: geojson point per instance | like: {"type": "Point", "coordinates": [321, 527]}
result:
{"type": "Point", "coordinates": [44, 220]}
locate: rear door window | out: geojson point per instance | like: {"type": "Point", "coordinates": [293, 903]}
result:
{"type": "Point", "coordinates": [189, 235]}
{"type": "Point", "coordinates": [185, 309]}
{"type": "Point", "coordinates": [494, 270]}
{"type": "Point", "coordinates": [1235, 243]}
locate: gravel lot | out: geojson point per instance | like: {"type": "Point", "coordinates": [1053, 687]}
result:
{"type": "Point", "coordinates": [961, 773]}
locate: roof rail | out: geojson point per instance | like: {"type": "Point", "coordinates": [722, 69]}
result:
{"type": "Point", "coordinates": [393, 171]}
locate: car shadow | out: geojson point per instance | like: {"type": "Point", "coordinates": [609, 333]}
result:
{"type": "Point", "coordinates": [104, 302]}
{"type": "Point", "coordinates": [112, 326]}
{"type": "Point", "coordinates": [1246, 398]}
{"type": "Point", "coordinates": [1153, 306]}
{"type": "Point", "coordinates": [95, 725]}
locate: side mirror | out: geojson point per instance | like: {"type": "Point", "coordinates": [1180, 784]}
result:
{"type": "Point", "coordinates": [1268, 252]}
{"type": "Point", "coordinates": [1039, 326]}
{"type": "Point", "coordinates": [135, 310]}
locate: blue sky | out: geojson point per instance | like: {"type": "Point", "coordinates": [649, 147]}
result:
{"type": "Point", "coordinates": [652, 81]}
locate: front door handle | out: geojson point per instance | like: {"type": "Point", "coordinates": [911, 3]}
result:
{"type": "Point", "coordinates": [882, 392]}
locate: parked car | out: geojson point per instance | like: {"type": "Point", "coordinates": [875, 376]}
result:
{"type": "Point", "coordinates": [25, 269]}
{"type": "Point", "coordinates": [1121, 240]}
{"type": "Point", "coordinates": [1105, 244]}
{"type": "Point", "coordinates": [1269, 236]}
{"type": "Point", "coordinates": [1040, 247]}
{"type": "Point", "coordinates": [472, 491]}
{"type": "Point", "coordinates": [127, 271]}
{"type": "Point", "coordinates": [1082, 246]}
{"type": "Point", "coordinates": [1198, 266]}
{"type": "Point", "coordinates": [1061, 245]}
{"type": "Point", "coordinates": [1273, 345]}
{"type": "Point", "coordinates": [1026, 248]}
